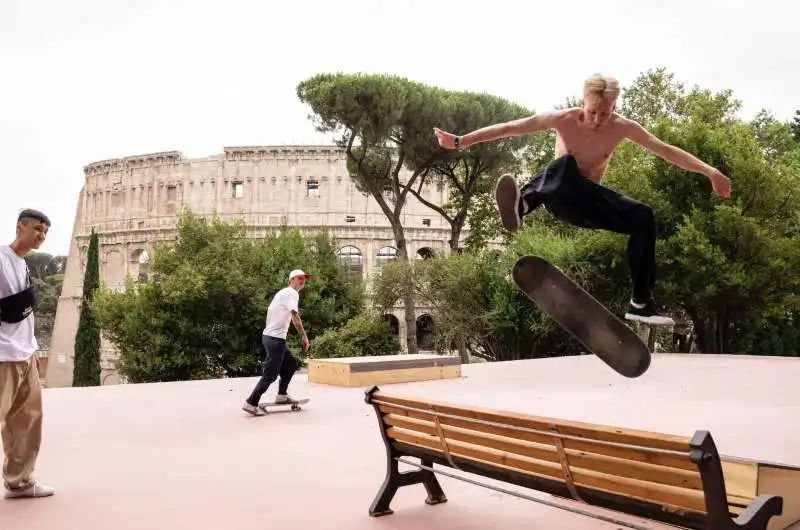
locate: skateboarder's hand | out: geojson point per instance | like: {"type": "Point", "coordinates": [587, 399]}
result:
{"type": "Point", "coordinates": [446, 139]}
{"type": "Point", "coordinates": [721, 184]}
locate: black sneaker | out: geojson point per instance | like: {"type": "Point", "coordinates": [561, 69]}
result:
{"type": "Point", "coordinates": [506, 194]}
{"type": "Point", "coordinates": [647, 313]}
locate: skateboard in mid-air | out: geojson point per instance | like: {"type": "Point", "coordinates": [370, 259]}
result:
{"type": "Point", "coordinates": [589, 321]}
{"type": "Point", "coordinates": [294, 405]}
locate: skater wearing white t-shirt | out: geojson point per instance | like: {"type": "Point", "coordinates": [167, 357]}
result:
{"type": "Point", "coordinates": [279, 360]}
{"type": "Point", "coordinates": [20, 389]}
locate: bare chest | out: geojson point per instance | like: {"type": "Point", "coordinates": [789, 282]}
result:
{"type": "Point", "coordinates": [592, 150]}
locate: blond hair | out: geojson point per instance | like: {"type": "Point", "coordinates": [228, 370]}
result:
{"type": "Point", "coordinates": [601, 86]}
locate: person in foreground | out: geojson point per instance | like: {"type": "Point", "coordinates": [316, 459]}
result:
{"type": "Point", "coordinates": [20, 389]}
{"type": "Point", "coordinates": [569, 187]}
{"type": "Point", "coordinates": [279, 360]}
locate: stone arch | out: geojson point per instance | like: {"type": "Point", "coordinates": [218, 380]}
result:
{"type": "Point", "coordinates": [394, 323]}
{"type": "Point", "coordinates": [425, 332]}
{"type": "Point", "coordinates": [139, 255]}
{"type": "Point", "coordinates": [426, 253]}
{"type": "Point", "coordinates": [139, 264]}
{"type": "Point", "coordinates": [353, 259]}
{"type": "Point", "coordinates": [387, 253]}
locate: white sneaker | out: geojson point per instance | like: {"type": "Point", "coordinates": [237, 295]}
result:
{"type": "Point", "coordinates": [283, 398]}
{"type": "Point", "coordinates": [647, 313]}
{"type": "Point", "coordinates": [250, 409]}
{"type": "Point", "coordinates": [34, 490]}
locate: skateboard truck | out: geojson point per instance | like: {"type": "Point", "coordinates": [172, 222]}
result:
{"type": "Point", "coordinates": [294, 404]}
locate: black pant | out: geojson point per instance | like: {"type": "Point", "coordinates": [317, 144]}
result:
{"type": "Point", "coordinates": [279, 361]}
{"type": "Point", "coordinates": [570, 197]}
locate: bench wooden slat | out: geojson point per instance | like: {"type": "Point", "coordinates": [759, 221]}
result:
{"type": "Point", "coordinates": [737, 504]}
{"type": "Point", "coordinates": [687, 499]}
{"type": "Point", "coordinates": [574, 428]}
{"type": "Point", "coordinates": [549, 453]}
{"type": "Point", "coordinates": [586, 445]}
{"type": "Point", "coordinates": [577, 459]}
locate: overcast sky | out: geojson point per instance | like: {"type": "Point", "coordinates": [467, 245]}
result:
{"type": "Point", "coordinates": [87, 80]}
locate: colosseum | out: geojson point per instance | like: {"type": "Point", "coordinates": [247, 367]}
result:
{"type": "Point", "coordinates": [133, 204]}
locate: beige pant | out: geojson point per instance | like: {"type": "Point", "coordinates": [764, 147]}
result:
{"type": "Point", "coordinates": [20, 420]}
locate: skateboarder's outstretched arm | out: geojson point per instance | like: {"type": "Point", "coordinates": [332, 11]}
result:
{"type": "Point", "coordinates": [677, 156]}
{"type": "Point", "coordinates": [520, 127]}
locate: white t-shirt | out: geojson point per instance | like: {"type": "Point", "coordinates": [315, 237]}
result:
{"type": "Point", "coordinates": [17, 341]}
{"type": "Point", "coordinates": [279, 313]}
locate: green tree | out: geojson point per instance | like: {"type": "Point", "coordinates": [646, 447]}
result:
{"type": "Point", "coordinates": [728, 266]}
{"type": "Point", "coordinates": [471, 172]}
{"type": "Point", "coordinates": [476, 305]}
{"type": "Point", "coordinates": [366, 334]}
{"type": "Point", "coordinates": [202, 312]}
{"type": "Point", "coordinates": [47, 275]}
{"type": "Point", "coordinates": [774, 137]}
{"type": "Point", "coordinates": [42, 264]}
{"type": "Point", "coordinates": [86, 370]}
{"type": "Point", "coordinates": [778, 336]}
{"type": "Point", "coordinates": [725, 264]}
{"type": "Point", "coordinates": [796, 126]}
{"type": "Point", "coordinates": [385, 125]}
{"type": "Point", "coordinates": [47, 292]}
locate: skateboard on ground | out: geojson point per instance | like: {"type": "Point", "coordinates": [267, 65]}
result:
{"type": "Point", "coordinates": [294, 405]}
{"type": "Point", "coordinates": [589, 321]}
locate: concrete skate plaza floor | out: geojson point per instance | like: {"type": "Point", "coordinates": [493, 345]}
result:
{"type": "Point", "coordinates": [171, 455]}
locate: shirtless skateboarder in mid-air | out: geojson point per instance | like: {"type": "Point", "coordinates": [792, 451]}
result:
{"type": "Point", "coordinates": [570, 190]}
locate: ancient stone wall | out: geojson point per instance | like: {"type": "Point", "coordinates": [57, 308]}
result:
{"type": "Point", "coordinates": [134, 203]}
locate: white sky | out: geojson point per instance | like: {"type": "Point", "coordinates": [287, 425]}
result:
{"type": "Point", "coordinates": [87, 80]}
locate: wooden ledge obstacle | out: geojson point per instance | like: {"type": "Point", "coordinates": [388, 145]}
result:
{"type": "Point", "coordinates": [383, 369]}
{"type": "Point", "coordinates": [678, 480]}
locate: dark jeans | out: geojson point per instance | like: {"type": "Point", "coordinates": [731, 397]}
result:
{"type": "Point", "coordinates": [279, 361]}
{"type": "Point", "coordinates": [570, 197]}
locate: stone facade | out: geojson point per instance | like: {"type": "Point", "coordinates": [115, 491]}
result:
{"type": "Point", "coordinates": [133, 203]}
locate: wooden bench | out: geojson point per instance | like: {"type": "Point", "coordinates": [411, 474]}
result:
{"type": "Point", "coordinates": [670, 479]}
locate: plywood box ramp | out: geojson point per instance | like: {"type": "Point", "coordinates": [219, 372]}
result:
{"type": "Point", "coordinates": [383, 369]}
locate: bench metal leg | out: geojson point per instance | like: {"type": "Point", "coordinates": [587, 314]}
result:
{"type": "Point", "coordinates": [755, 517]}
{"type": "Point", "coordinates": [396, 479]}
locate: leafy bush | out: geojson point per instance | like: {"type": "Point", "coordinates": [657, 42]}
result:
{"type": "Point", "coordinates": [202, 313]}
{"type": "Point", "coordinates": [364, 335]}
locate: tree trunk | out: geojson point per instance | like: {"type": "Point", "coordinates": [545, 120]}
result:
{"type": "Point", "coordinates": [723, 331]}
{"type": "Point", "coordinates": [411, 323]}
{"type": "Point", "coordinates": [462, 351]}
{"type": "Point", "coordinates": [706, 332]}
{"type": "Point", "coordinates": [455, 230]}
{"type": "Point", "coordinates": [455, 234]}
{"type": "Point", "coordinates": [408, 294]}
